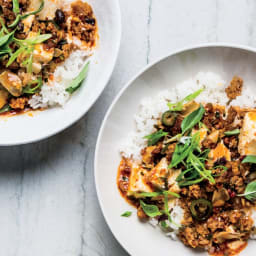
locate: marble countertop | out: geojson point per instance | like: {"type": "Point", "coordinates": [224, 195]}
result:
{"type": "Point", "coordinates": [47, 195]}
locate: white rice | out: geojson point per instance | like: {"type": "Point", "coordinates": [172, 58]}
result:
{"type": "Point", "coordinates": [151, 108]}
{"type": "Point", "coordinates": [54, 92]}
{"type": "Point", "coordinates": [177, 214]}
{"type": "Point", "coordinates": [153, 222]}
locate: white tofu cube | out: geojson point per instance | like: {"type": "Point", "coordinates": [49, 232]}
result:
{"type": "Point", "coordinates": [247, 137]}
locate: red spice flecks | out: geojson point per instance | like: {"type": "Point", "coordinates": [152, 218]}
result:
{"type": "Point", "coordinates": [232, 193]}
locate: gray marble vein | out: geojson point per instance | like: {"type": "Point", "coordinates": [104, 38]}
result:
{"type": "Point", "coordinates": [150, 2]}
{"type": "Point", "coordinates": [47, 193]}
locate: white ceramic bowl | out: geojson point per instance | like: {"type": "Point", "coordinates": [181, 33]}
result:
{"type": "Point", "coordinates": [138, 238]}
{"type": "Point", "coordinates": [23, 129]}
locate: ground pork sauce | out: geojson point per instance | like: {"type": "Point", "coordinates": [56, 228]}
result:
{"type": "Point", "coordinates": [226, 223]}
{"type": "Point", "coordinates": [19, 80]}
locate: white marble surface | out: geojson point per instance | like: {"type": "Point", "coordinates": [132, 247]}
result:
{"type": "Point", "coordinates": [47, 194]}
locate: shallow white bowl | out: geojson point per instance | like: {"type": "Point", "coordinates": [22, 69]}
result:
{"type": "Point", "coordinates": [25, 128]}
{"type": "Point", "coordinates": [138, 238]}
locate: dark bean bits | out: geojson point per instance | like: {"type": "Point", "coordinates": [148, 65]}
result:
{"type": "Point", "coordinates": [90, 21]}
{"type": "Point", "coordinates": [59, 17]}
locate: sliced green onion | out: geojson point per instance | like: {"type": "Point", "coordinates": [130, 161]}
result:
{"type": "Point", "coordinates": [5, 108]}
{"type": "Point", "coordinates": [76, 83]}
{"type": "Point", "coordinates": [233, 132]}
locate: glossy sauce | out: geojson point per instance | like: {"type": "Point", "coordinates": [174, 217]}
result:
{"type": "Point", "coordinates": [15, 112]}
{"type": "Point", "coordinates": [28, 111]}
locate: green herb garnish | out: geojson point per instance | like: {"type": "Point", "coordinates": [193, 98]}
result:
{"type": "Point", "coordinates": [202, 125]}
{"type": "Point", "coordinates": [155, 137]}
{"type": "Point", "coordinates": [171, 193]}
{"type": "Point", "coordinates": [126, 214]}
{"type": "Point", "coordinates": [220, 167]}
{"type": "Point", "coordinates": [250, 191]}
{"type": "Point", "coordinates": [153, 211]}
{"type": "Point", "coordinates": [187, 174]}
{"type": "Point", "coordinates": [76, 83]}
{"type": "Point", "coordinates": [16, 10]}
{"type": "Point", "coordinates": [200, 168]}
{"type": "Point", "coordinates": [143, 194]}
{"type": "Point", "coordinates": [16, 21]}
{"type": "Point", "coordinates": [152, 194]}
{"type": "Point", "coordinates": [36, 39]}
{"type": "Point", "coordinates": [166, 209]}
{"type": "Point", "coordinates": [4, 39]}
{"type": "Point", "coordinates": [192, 119]}
{"type": "Point", "coordinates": [186, 182]}
{"type": "Point", "coordinates": [233, 132]}
{"type": "Point", "coordinates": [15, 6]}
{"type": "Point", "coordinates": [249, 159]}
{"type": "Point", "coordinates": [14, 56]}
{"type": "Point", "coordinates": [195, 163]}
{"type": "Point", "coordinates": [30, 89]}
{"type": "Point", "coordinates": [34, 12]}
{"type": "Point", "coordinates": [178, 106]}
{"type": "Point", "coordinates": [163, 224]}
{"type": "Point", "coordinates": [150, 209]}
{"type": "Point", "coordinates": [180, 153]}
{"type": "Point", "coordinates": [3, 29]}
{"type": "Point", "coordinates": [182, 150]}
{"type": "Point", "coordinates": [5, 48]}
{"type": "Point", "coordinates": [5, 108]}
{"type": "Point", "coordinates": [26, 47]}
